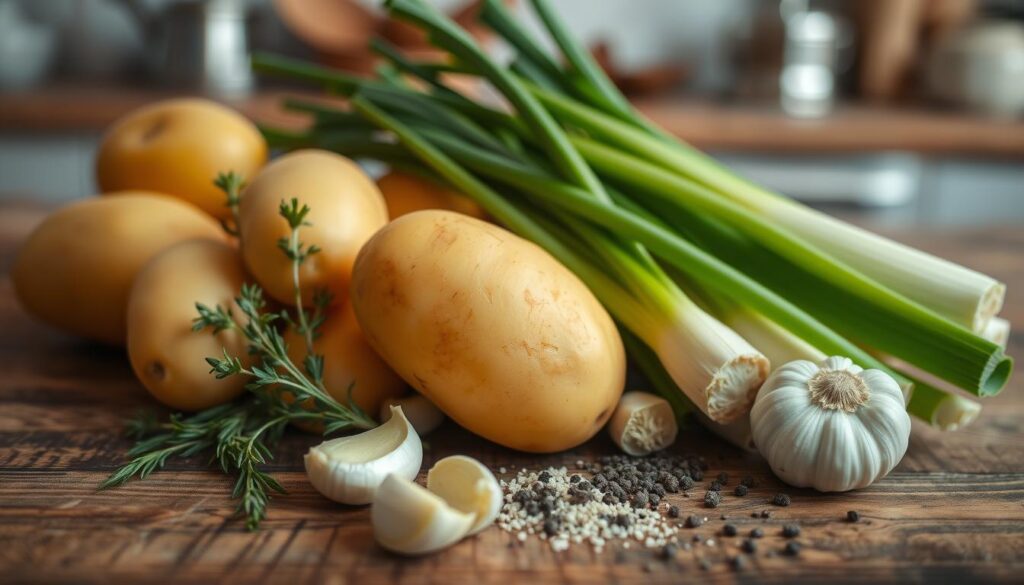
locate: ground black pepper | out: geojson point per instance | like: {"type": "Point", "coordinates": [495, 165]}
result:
{"type": "Point", "coordinates": [741, 490]}
{"type": "Point", "coordinates": [791, 531]}
{"type": "Point", "coordinates": [781, 500]}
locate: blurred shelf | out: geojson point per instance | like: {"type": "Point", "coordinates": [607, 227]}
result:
{"type": "Point", "coordinates": [732, 127]}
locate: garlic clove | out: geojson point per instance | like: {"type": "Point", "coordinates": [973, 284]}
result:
{"type": "Point", "coordinates": [468, 486]}
{"type": "Point", "coordinates": [351, 469]}
{"type": "Point", "coordinates": [409, 519]}
{"type": "Point", "coordinates": [424, 416]}
{"type": "Point", "coordinates": [643, 423]}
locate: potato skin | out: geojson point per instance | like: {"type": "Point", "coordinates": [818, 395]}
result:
{"type": "Point", "coordinates": [405, 193]}
{"type": "Point", "coordinates": [346, 208]}
{"type": "Point", "coordinates": [491, 328]}
{"type": "Point", "coordinates": [178, 147]}
{"type": "Point", "coordinates": [75, 270]}
{"type": "Point", "coordinates": [168, 357]}
{"type": "Point", "coordinates": [348, 359]}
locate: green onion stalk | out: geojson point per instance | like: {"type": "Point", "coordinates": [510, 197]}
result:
{"type": "Point", "coordinates": [533, 169]}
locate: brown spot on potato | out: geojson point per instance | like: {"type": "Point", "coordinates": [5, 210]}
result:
{"type": "Point", "coordinates": [156, 370]}
{"type": "Point", "coordinates": [391, 282]}
{"type": "Point", "coordinates": [154, 129]}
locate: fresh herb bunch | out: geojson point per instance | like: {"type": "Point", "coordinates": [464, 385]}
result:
{"type": "Point", "coordinates": [241, 435]}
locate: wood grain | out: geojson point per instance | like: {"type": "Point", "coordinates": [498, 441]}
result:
{"type": "Point", "coordinates": [952, 512]}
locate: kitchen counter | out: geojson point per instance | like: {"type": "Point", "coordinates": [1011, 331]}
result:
{"type": "Point", "coordinates": [707, 125]}
{"type": "Point", "coordinates": [952, 512]}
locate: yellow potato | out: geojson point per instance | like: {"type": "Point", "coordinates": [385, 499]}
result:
{"type": "Point", "coordinates": [76, 269]}
{"type": "Point", "coordinates": [345, 210]}
{"type": "Point", "coordinates": [178, 147]}
{"type": "Point", "coordinates": [405, 193]}
{"type": "Point", "coordinates": [168, 357]}
{"type": "Point", "coordinates": [348, 360]}
{"type": "Point", "coordinates": [492, 329]}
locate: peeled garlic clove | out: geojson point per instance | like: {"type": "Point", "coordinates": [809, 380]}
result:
{"type": "Point", "coordinates": [424, 416]}
{"type": "Point", "coordinates": [351, 469]}
{"type": "Point", "coordinates": [643, 423]}
{"type": "Point", "coordinates": [409, 519]}
{"type": "Point", "coordinates": [467, 486]}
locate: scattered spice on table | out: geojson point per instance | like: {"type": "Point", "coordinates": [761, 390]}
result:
{"type": "Point", "coordinates": [792, 548]}
{"type": "Point", "coordinates": [757, 533]}
{"type": "Point", "coordinates": [749, 481]}
{"type": "Point", "coordinates": [729, 530]}
{"type": "Point", "coordinates": [723, 478]}
{"type": "Point", "coordinates": [738, 562]}
{"type": "Point", "coordinates": [791, 531]}
{"type": "Point", "coordinates": [853, 516]}
{"type": "Point", "coordinates": [749, 546]}
{"type": "Point", "coordinates": [694, 521]}
{"type": "Point", "coordinates": [781, 500]}
{"type": "Point", "coordinates": [741, 490]}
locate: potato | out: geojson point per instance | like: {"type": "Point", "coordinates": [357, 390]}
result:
{"type": "Point", "coordinates": [76, 269]}
{"type": "Point", "coordinates": [349, 360]}
{"type": "Point", "coordinates": [405, 193]}
{"type": "Point", "coordinates": [345, 210]}
{"type": "Point", "coordinates": [178, 147]}
{"type": "Point", "coordinates": [492, 329]}
{"type": "Point", "coordinates": [168, 357]}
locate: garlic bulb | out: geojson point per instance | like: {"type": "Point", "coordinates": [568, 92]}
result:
{"type": "Point", "coordinates": [424, 416]}
{"type": "Point", "coordinates": [468, 486]}
{"type": "Point", "coordinates": [409, 519]}
{"type": "Point", "coordinates": [642, 424]}
{"type": "Point", "coordinates": [350, 469]}
{"type": "Point", "coordinates": [462, 497]}
{"type": "Point", "coordinates": [832, 426]}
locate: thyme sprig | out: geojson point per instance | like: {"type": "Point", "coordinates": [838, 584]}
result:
{"type": "Point", "coordinates": [241, 435]}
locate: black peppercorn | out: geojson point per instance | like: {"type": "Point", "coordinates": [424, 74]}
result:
{"type": "Point", "coordinates": [757, 533]}
{"type": "Point", "coordinates": [545, 476]}
{"type": "Point", "coordinates": [715, 486]}
{"type": "Point", "coordinates": [853, 516]}
{"type": "Point", "coordinates": [574, 478]}
{"type": "Point", "coordinates": [729, 530]}
{"type": "Point", "coordinates": [738, 562]}
{"type": "Point", "coordinates": [749, 546]}
{"type": "Point", "coordinates": [697, 475]}
{"type": "Point", "coordinates": [712, 499]}
{"type": "Point", "coordinates": [673, 511]}
{"type": "Point", "coordinates": [694, 521]}
{"type": "Point", "coordinates": [741, 490]}
{"type": "Point", "coordinates": [723, 478]}
{"type": "Point", "coordinates": [792, 548]}
{"type": "Point", "coordinates": [668, 552]}
{"type": "Point", "coordinates": [765, 514]}
{"type": "Point", "coordinates": [550, 527]}
{"type": "Point", "coordinates": [781, 500]}
{"type": "Point", "coordinates": [749, 481]}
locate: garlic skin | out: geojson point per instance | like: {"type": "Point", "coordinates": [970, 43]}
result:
{"type": "Point", "coordinates": [832, 426]}
{"type": "Point", "coordinates": [409, 519]}
{"type": "Point", "coordinates": [642, 424]}
{"type": "Point", "coordinates": [469, 487]}
{"type": "Point", "coordinates": [350, 469]}
{"type": "Point", "coordinates": [424, 416]}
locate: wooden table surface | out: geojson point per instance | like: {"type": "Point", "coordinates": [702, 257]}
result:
{"type": "Point", "coordinates": [953, 511]}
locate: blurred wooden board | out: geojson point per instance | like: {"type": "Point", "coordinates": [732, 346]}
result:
{"type": "Point", "coordinates": [952, 512]}
{"type": "Point", "coordinates": [760, 128]}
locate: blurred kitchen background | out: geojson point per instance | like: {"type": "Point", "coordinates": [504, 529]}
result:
{"type": "Point", "coordinates": [893, 111]}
